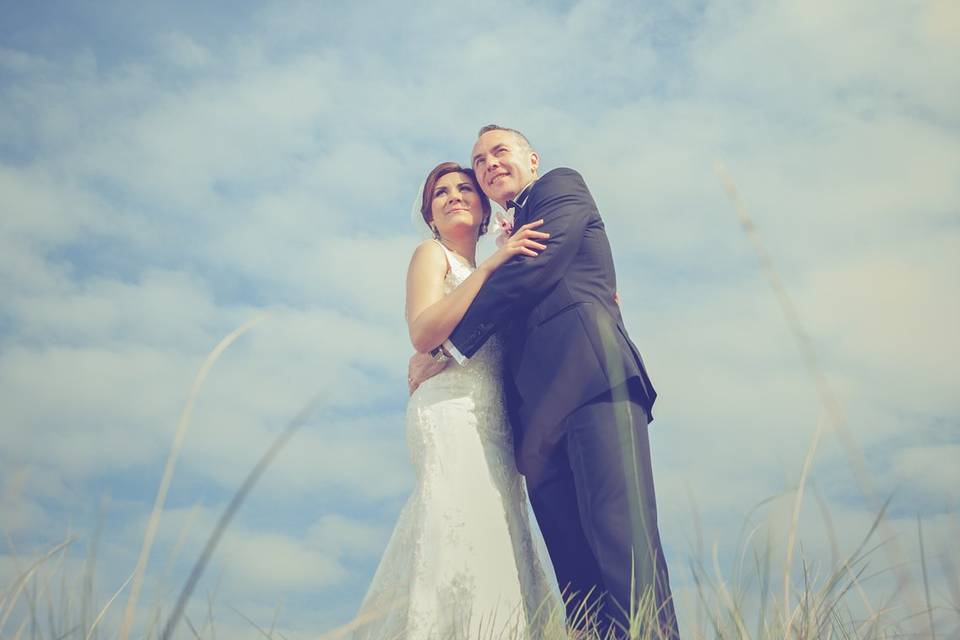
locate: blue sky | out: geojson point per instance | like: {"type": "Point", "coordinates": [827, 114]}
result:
{"type": "Point", "coordinates": [168, 171]}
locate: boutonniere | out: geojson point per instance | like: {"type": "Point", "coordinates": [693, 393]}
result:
{"type": "Point", "coordinates": [505, 228]}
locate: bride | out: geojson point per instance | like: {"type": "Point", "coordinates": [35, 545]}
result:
{"type": "Point", "coordinates": [461, 562]}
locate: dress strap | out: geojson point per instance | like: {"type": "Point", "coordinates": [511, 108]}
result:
{"type": "Point", "coordinates": [446, 252]}
{"type": "Point", "coordinates": [442, 246]}
{"type": "Point", "coordinates": [456, 264]}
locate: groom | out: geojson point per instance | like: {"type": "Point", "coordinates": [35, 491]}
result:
{"type": "Point", "coordinates": [578, 393]}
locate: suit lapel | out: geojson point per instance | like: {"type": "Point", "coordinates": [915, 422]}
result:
{"type": "Point", "coordinates": [520, 213]}
{"type": "Point", "coordinates": [519, 217]}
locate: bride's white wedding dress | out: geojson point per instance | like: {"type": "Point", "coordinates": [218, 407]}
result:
{"type": "Point", "coordinates": [462, 560]}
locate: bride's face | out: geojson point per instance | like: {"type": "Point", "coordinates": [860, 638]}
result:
{"type": "Point", "coordinates": [455, 204]}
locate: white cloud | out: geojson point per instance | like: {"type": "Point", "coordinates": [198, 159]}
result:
{"type": "Point", "coordinates": [933, 470]}
{"type": "Point", "coordinates": [344, 535]}
{"type": "Point", "coordinates": [263, 561]}
{"type": "Point", "coordinates": [185, 52]}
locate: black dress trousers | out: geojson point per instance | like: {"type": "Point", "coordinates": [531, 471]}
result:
{"type": "Point", "coordinates": [594, 501]}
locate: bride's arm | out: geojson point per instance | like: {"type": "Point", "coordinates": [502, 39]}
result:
{"type": "Point", "coordinates": [432, 316]}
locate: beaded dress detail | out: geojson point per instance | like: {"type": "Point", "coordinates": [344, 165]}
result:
{"type": "Point", "coordinates": [464, 559]}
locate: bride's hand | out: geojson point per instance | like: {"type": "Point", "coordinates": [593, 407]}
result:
{"type": "Point", "coordinates": [522, 242]}
{"type": "Point", "coordinates": [421, 368]}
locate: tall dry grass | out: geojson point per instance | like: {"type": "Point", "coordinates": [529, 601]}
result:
{"type": "Point", "coordinates": [741, 604]}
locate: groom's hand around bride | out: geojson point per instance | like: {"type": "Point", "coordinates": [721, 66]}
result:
{"type": "Point", "coordinates": [523, 242]}
{"type": "Point", "coordinates": [421, 368]}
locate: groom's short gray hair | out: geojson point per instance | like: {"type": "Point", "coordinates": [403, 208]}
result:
{"type": "Point", "coordinates": [497, 127]}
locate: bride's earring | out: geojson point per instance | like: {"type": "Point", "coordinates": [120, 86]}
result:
{"type": "Point", "coordinates": [436, 233]}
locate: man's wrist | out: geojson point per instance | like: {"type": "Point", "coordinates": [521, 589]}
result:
{"type": "Point", "coordinates": [451, 350]}
{"type": "Point", "coordinates": [440, 354]}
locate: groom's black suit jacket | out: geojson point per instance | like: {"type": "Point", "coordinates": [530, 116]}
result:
{"type": "Point", "coordinates": [564, 335]}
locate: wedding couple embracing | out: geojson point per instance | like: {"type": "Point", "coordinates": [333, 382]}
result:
{"type": "Point", "coordinates": [525, 381]}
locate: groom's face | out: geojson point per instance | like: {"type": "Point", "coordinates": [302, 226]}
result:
{"type": "Point", "coordinates": [504, 164]}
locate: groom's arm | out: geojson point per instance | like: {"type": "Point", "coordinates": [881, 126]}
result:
{"type": "Point", "coordinates": [562, 200]}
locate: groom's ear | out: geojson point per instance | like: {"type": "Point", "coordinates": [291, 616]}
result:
{"type": "Point", "coordinates": [534, 161]}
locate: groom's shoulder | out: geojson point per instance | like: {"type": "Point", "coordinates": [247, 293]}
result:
{"type": "Point", "coordinates": [561, 173]}
{"type": "Point", "coordinates": [560, 178]}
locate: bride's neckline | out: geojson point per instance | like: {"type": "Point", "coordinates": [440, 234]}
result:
{"type": "Point", "coordinates": [459, 257]}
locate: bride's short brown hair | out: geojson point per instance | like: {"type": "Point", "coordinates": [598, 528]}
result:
{"type": "Point", "coordinates": [438, 172]}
